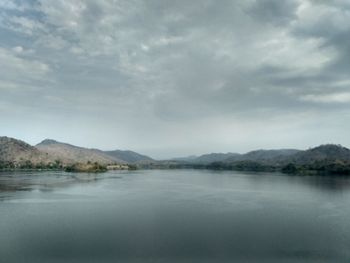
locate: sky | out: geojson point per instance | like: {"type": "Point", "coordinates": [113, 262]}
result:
{"type": "Point", "coordinates": [173, 78]}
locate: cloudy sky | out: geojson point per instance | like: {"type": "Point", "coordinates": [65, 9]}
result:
{"type": "Point", "coordinates": [176, 77]}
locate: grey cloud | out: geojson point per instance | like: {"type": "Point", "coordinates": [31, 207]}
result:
{"type": "Point", "coordinates": [166, 70]}
{"type": "Point", "coordinates": [330, 26]}
{"type": "Point", "coordinates": [278, 13]}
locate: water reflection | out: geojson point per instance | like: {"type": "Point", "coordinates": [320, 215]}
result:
{"type": "Point", "coordinates": [174, 216]}
{"type": "Point", "coordinates": [332, 183]}
{"type": "Point", "coordinates": [19, 180]}
{"type": "Point", "coordinates": [47, 181]}
{"type": "Point", "coordinates": [14, 181]}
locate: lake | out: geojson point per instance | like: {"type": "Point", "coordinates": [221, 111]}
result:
{"type": "Point", "coordinates": [173, 216]}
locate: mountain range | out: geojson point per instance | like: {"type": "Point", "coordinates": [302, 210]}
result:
{"type": "Point", "coordinates": [328, 158]}
{"type": "Point", "coordinates": [19, 153]}
{"type": "Point", "coordinates": [257, 155]}
{"type": "Point", "coordinates": [327, 152]}
{"type": "Point", "coordinates": [50, 153]}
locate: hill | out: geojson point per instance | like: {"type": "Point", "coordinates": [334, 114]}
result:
{"type": "Point", "coordinates": [329, 158]}
{"type": "Point", "coordinates": [68, 153]}
{"type": "Point", "coordinates": [189, 158]}
{"type": "Point", "coordinates": [324, 153]}
{"type": "Point", "coordinates": [16, 153]}
{"type": "Point", "coordinates": [214, 157]}
{"type": "Point", "coordinates": [128, 156]}
{"type": "Point", "coordinates": [51, 154]}
{"type": "Point", "coordinates": [266, 156]}
{"type": "Point", "coordinates": [257, 156]}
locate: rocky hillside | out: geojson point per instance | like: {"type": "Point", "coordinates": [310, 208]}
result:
{"type": "Point", "coordinates": [68, 153]}
{"type": "Point", "coordinates": [51, 153]}
{"type": "Point", "coordinates": [19, 153]}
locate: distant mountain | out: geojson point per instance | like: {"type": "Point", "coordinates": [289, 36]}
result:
{"type": "Point", "coordinates": [324, 159]}
{"type": "Point", "coordinates": [189, 158]}
{"type": "Point", "coordinates": [328, 158]}
{"type": "Point", "coordinates": [265, 156]}
{"type": "Point", "coordinates": [128, 156]}
{"type": "Point", "coordinates": [327, 152]}
{"type": "Point", "coordinates": [18, 152]}
{"type": "Point", "coordinates": [257, 156]}
{"type": "Point", "coordinates": [68, 153]}
{"type": "Point", "coordinates": [214, 157]}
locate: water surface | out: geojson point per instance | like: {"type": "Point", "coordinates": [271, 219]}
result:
{"type": "Point", "coordinates": [173, 216]}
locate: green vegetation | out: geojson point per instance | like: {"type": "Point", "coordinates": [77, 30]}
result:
{"type": "Point", "coordinates": [86, 167]}
{"type": "Point", "coordinates": [57, 165]}
{"type": "Point", "coordinates": [29, 165]}
{"type": "Point", "coordinates": [324, 167]}
{"type": "Point", "coordinates": [329, 167]}
{"type": "Point", "coordinates": [290, 169]}
{"type": "Point", "coordinates": [121, 167]}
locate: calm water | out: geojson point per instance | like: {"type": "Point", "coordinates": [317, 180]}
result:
{"type": "Point", "coordinates": [173, 216]}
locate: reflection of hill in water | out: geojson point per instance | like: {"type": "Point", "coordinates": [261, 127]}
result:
{"type": "Point", "coordinates": [45, 181]}
{"type": "Point", "coordinates": [332, 183]}
{"type": "Point", "coordinates": [11, 182]}
{"type": "Point", "coordinates": [329, 183]}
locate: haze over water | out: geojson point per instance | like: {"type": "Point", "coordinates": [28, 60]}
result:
{"type": "Point", "coordinates": [173, 216]}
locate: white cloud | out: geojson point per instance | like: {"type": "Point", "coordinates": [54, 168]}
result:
{"type": "Point", "coordinates": [7, 4]}
{"type": "Point", "coordinates": [18, 49]}
{"type": "Point", "coordinates": [55, 42]}
{"type": "Point", "coordinates": [64, 13]}
{"type": "Point", "coordinates": [12, 5]}
{"type": "Point", "coordinates": [328, 98]}
{"type": "Point", "coordinates": [18, 69]}
{"type": "Point", "coordinates": [24, 25]}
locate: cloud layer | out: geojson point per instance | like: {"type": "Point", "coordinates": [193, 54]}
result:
{"type": "Point", "coordinates": [174, 77]}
